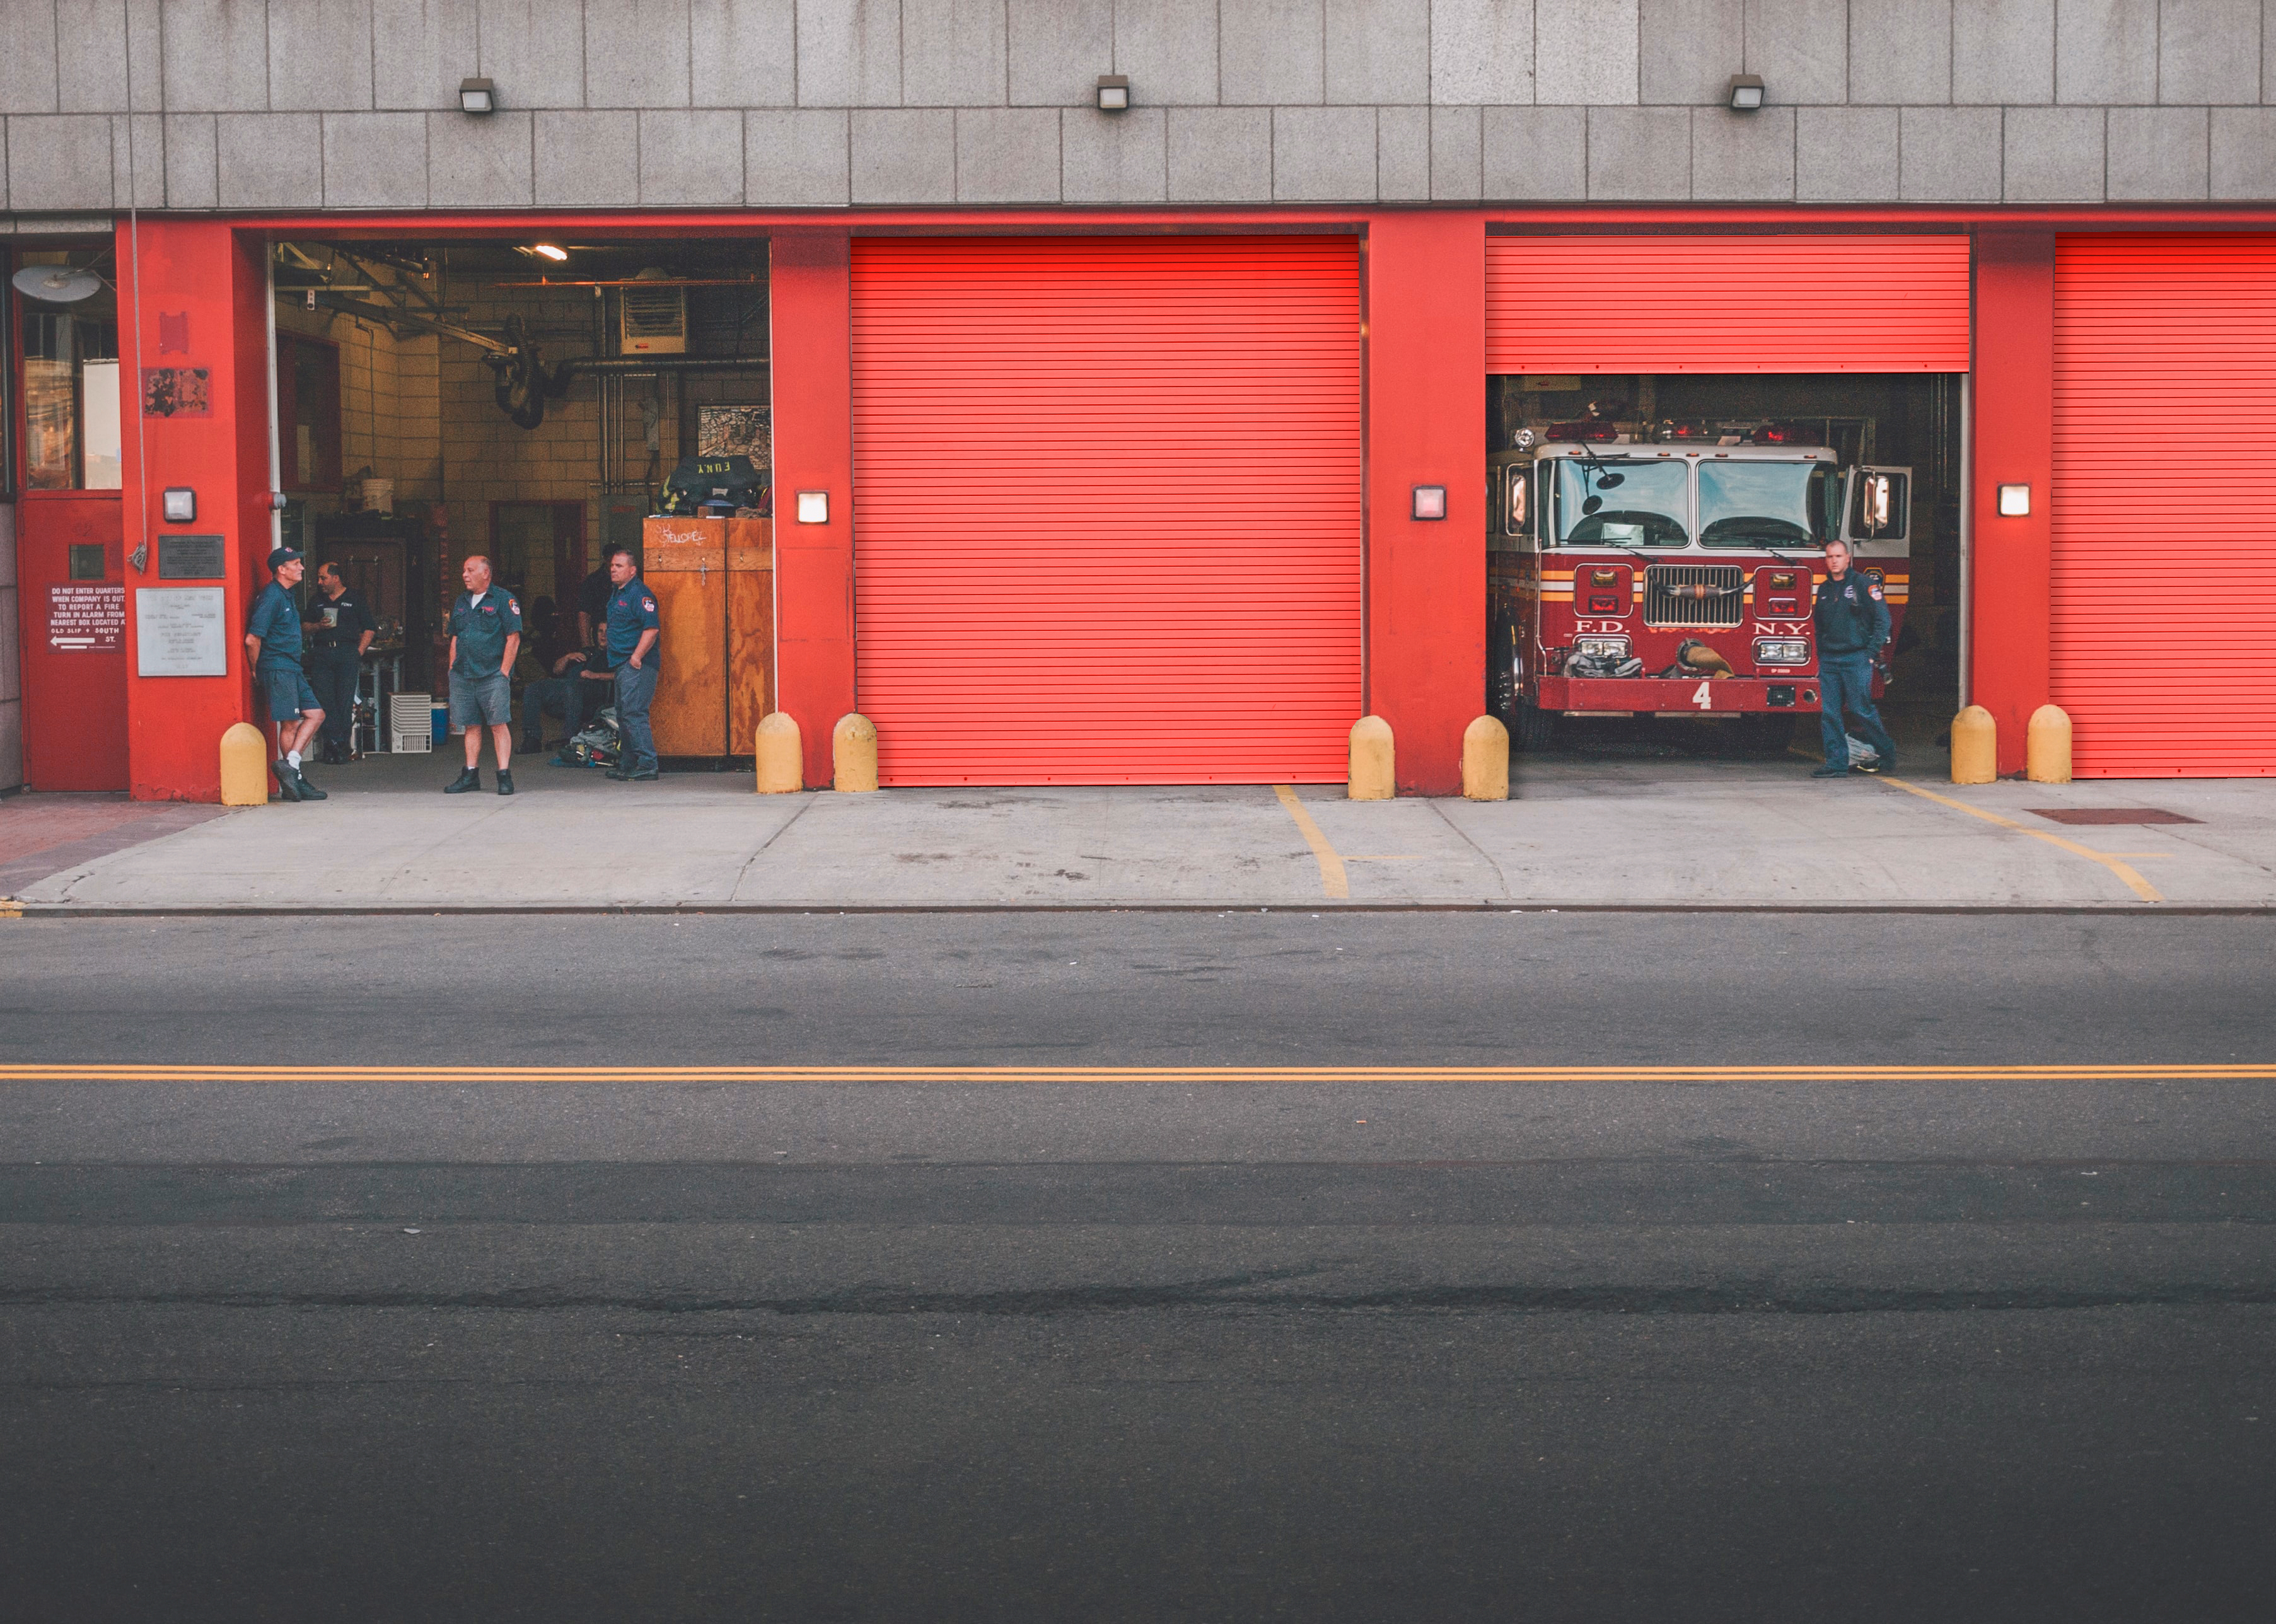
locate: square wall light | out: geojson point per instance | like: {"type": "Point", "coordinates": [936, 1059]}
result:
{"type": "Point", "coordinates": [180, 505]}
{"type": "Point", "coordinates": [477, 96]}
{"type": "Point", "coordinates": [1430, 501]}
{"type": "Point", "coordinates": [1114, 93]}
{"type": "Point", "coordinates": [814, 507]}
{"type": "Point", "coordinates": [2015, 501]}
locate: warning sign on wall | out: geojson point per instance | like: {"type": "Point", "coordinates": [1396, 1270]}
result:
{"type": "Point", "coordinates": [87, 619]}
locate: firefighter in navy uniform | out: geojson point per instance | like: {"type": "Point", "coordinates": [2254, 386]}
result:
{"type": "Point", "coordinates": [1853, 625]}
{"type": "Point", "coordinates": [634, 630]}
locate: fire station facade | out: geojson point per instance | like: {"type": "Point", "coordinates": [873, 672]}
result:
{"type": "Point", "coordinates": [1103, 436]}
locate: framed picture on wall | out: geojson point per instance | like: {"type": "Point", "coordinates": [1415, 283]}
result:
{"type": "Point", "coordinates": [736, 431]}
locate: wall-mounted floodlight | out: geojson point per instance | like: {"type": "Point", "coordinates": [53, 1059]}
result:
{"type": "Point", "coordinates": [180, 505]}
{"type": "Point", "coordinates": [548, 251]}
{"type": "Point", "coordinates": [2015, 501]}
{"type": "Point", "coordinates": [814, 507]}
{"type": "Point", "coordinates": [477, 96]}
{"type": "Point", "coordinates": [1745, 95]}
{"type": "Point", "coordinates": [1430, 501]}
{"type": "Point", "coordinates": [1113, 93]}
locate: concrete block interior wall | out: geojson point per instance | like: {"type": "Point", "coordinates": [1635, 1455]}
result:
{"type": "Point", "coordinates": [690, 104]}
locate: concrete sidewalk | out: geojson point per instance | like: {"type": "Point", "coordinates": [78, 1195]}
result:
{"type": "Point", "coordinates": [1583, 830]}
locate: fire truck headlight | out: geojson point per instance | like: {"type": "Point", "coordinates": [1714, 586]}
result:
{"type": "Point", "coordinates": [1781, 651]}
{"type": "Point", "coordinates": [1615, 647]}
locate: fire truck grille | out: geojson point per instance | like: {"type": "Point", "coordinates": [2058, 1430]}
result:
{"type": "Point", "coordinates": [1694, 595]}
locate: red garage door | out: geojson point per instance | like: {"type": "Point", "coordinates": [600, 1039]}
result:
{"type": "Point", "coordinates": [2163, 615]}
{"type": "Point", "coordinates": [1790, 303]}
{"type": "Point", "coordinates": [1107, 508]}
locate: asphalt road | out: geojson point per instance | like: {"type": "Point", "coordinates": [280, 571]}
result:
{"type": "Point", "coordinates": [1140, 1349]}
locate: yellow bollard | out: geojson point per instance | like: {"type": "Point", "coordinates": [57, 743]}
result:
{"type": "Point", "coordinates": [1975, 746]}
{"type": "Point", "coordinates": [782, 755]}
{"type": "Point", "coordinates": [853, 754]}
{"type": "Point", "coordinates": [244, 766]}
{"type": "Point", "coordinates": [1485, 761]}
{"type": "Point", "coordinates": [2046, 746]}
{"type": "Point", "coordinates": [1371, 777]}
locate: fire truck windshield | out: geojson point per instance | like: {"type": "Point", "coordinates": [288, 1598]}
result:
{"type": "Point", "coordinates": [1765, 503]}
{"type": "Point", "coordinates": [1621, 504]}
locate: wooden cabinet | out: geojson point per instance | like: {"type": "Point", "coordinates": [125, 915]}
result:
{"type": "Point", "coordinates": [714, 584]}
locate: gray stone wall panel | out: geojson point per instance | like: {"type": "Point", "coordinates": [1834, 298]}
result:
{"type": "Point", "coordinates": [1688, 50]}
{"type": "Point", "coordinates": [691, 159]}
{"type": "Point", "coordinates": [904, 156]}
{"type": "Point", "coordinates": [1169, 50]}
{"type": "Point", "coordinates": [1220, 154]}
{"type": "Point", "coordinates": [636, 53]}
{"type": "Point", "coordinates": [1323, 155]}
{"type": "Point", "coordinates": [269, 160]}
{"type": "Point", "coordinates": [59, 161]}
{"type": "Point", "coordinates": [2003, 50]}
{"type": "Point", "coordinates": [27, 57]}
{"type": "Point", "coordinates": [421, 49]}
{"type": "Point", "coordinates": [1535, 153]}
{"type": "Point", "coordinates": [1585, 51]}
{"type": "Point", "coordinates": [796, 156]}
{"type": "Point", "coordinates": [1379, 52]}
{"type": "Point", "coordinates": [1480, 51]}
{"type": "Point", "coordinates": [535, 50]}
{"type": "Point", "coordinates": [193, 176]}
{"type": "Point", "coordinates": [216, 55]}
{"type": "Point", "coordinates": [1055, 49]}
{"type": "Point", "coordinates": [375, 160]}
{"type": "Point", "coordinates": [2106, 52]}
{"type": "Point", "coordinates": [2209, 51]}
{"type": "Point", "coordinates": [2157, 153]}
{"type": "Point", "coordinates": [1900, 51]}
{"type": "Point", "coordinates": [2243, 154]}
{"type": "Point", "coordinates": [1801, 48]}
{"type": "Point", "coordinates": [1403, 150]}
{"type": "Point", "coordinates": [1742, 157]}
{"type": "Point", "coordinates": [1639, 153]}
{"type": "Point", "coordinates": [1948, 155]}
{"type": "Point", "coordinates": [586, 160]}
{"type": "Point", "coordinates": [1272, 52]}
{"type": "Point", "coordinates": [1457, 153]}
{"type": "Point", "coordinates": [138, 159]}
{"type": "Point", "coordinates": [481, 163]}
{"type": "Point", "coordinates": [319, 56]}
{"type": "Point", "coordinates": [2053, 154]}
{"type": "Point", "coordinates": [953, 53]}
{"type": "Point", "coordinates": [1114, 157]}
{"type": "Point", "coordinates": [91, 53]}
{"type": "Point", "coordinates": [1007, 155]}
{"type": "Point", "coordinates": [745, 53]}
{"type": "Point", "coordinates": [1845, 155]}
{"type": "Point", "coordinates": [849, 53]}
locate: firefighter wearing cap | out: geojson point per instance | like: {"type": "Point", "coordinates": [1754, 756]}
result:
{"type": "Point", "coordinates": [272, 642]}
{"type": "Point", "coordinates": [1853, 624]}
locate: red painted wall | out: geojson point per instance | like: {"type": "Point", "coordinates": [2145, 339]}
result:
{"type": "Point", "coordinates": [2015, 445]}
{"type": "Point", "coordinates": [811, 288]}
{"type": "Point", "coordinates": [1426, 425]}
{"type": "Point", "coordinates": [206, 279]}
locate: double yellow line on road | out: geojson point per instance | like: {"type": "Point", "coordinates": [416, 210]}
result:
{"type": "Point", "coordinates": [764, 1074]}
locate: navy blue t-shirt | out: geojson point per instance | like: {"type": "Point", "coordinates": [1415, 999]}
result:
{"type": "Point", "coordinates": [275, 621]}
{"type": "Point", "coordinates": [632, 611]}
{"type": "Point", "coordinates": [482, 625]}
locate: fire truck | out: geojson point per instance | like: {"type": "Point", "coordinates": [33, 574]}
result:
{"type": "Point", "coordinates": [1672, 572]}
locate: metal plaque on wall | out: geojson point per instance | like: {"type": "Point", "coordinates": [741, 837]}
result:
{"type": "Point", "coordinates": [191, 557]}
{"type": "Point", "coordinates": [180, 632]}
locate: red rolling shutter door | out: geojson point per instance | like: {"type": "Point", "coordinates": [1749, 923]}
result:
{"type": "Point", "coordinates": [2163, 617]}
{"type": "Point", "coordinates": [1795, 303]}
{"type": "Point", "coordinates": [1107, 508]}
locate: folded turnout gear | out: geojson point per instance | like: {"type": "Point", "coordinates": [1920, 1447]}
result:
{"type": "Point", "coordinates": [699, 480]}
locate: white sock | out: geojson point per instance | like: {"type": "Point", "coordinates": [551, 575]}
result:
{"type": "Point", "coordinates": [294, 756]}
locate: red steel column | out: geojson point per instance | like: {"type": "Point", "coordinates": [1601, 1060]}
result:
{"type": "Point", "coordinates": [810, 291]}
{"type": "Point", "coordinates": [1426, 369]}
{"type": "Point", "coordinates": [2014, 408]}
{"type": "Point", "coordinates": [191, 297]}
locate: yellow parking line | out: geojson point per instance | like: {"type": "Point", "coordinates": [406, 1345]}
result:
{"type": "Point", "coordinates": [60, 1072]}
{"type": "Point", "coordinates": [1333, 881]}
{"type": "Point", "coordinates": [2142, 888]}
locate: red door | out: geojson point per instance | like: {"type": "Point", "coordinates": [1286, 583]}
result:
{"type": "Point", "coordinates": [70, 591]}
{"type": "Point", "coordinates": [1107, 508]}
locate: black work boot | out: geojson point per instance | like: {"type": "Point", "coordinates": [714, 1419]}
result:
{"type": "Point", "coordinates": [309, 792]}
{"type": "Point", "coordinates": [287, 789]}
{"type": "Point", "coordinates": [469, 779]}
{"type": "Point", "coordinates": [506, 781]}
